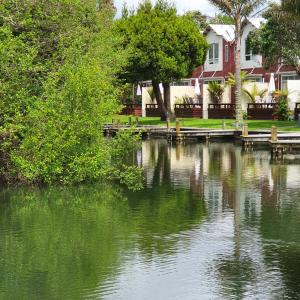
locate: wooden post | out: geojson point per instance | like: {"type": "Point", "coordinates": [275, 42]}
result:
{"type": "Point", "coordinates": [274, 136]}
{"type": "Point", "coordinates": [177, 127]}
{"type": "Point", "coordinates": [245, 130]}
{"type": "Point", "coordinates": [113, 123]}
{"type": "Point", "coordinates": [168, 124]}
{"type": "Point", "coordinates": [137, 121]}
{"type": "Point", "coordinates": [129, 121]}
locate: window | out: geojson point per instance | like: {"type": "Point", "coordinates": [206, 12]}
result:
{"type": "Point", "coordinates": [213, 54]}
{"type": "Point", "coordinates": [226, 53]}
{"type": "Point", "coordinates": [248, 50]}
{"type": "Point", "coordinates": [207, 81]}
{"type": "Point", "coordinates": [257, 79]}
{"type": "Point", "coordinates": [182, 83]}
{"type": "Point", "coordinates": [285, 78]}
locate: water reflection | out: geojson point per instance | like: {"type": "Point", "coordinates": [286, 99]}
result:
{"type": "Point", "coordinates": [213, 222]}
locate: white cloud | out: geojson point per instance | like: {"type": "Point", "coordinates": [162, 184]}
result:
{"type": "Point", "coordinates": [203, 5]}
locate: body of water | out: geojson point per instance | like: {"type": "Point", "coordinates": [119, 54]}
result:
{"type": "Point", "coordinates": [213, 222]}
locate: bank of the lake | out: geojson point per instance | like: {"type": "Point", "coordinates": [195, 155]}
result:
{"type": "Point", "coordinates": [216, 123]}
{"type": "Point", "coordinates": [213, 222]}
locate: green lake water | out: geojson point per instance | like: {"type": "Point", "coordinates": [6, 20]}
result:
{"type": "Point", "coordinates": [213, 222]}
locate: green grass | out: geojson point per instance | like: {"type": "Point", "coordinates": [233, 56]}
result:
{"type": "Point", "coordinates": [217, 123]}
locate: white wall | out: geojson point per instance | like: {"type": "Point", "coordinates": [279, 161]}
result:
{"type": "Point", "coordinates": [212, 38]}
{"type": "Point", "coordinates": [177, 92]}
{"type": "Point", "coordinates": [294, 92]}
{"type": "Point", "coordinates": [145, 100]}
{"type": "Point", "coordinates": [248, 86]}
{"type": "Point", "coordinates": [256, 61]}
{"type": "Point", "coordinates": [227, 96]}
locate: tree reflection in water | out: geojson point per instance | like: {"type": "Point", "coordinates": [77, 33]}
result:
{"type": "Point", "coordinates": [79, 241]}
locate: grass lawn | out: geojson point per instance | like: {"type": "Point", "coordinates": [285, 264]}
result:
{"type": "Point", "coordinates": [217, 123]}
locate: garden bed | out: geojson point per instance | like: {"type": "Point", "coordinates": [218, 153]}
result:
{"type": "Point", "coordinates": [221, 111]}
{"type": "Point", "coordinates": [189, 110]}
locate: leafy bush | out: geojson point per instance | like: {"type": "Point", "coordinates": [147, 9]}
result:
{"type": "Point", "coordinates": [283, 111]}
{"type": "Point", "coordinates": [59, 89]}
{"type": "Point", "coordinates": [216, 91]}
{"type": "Point", "coordinates": [255, 92]}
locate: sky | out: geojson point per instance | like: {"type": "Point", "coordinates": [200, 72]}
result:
{"type": "Point", "coordinates": [182, 5]}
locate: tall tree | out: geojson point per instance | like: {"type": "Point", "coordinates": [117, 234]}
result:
{"type": "Point", "coordinates": [239, 10]}
{"type": "Point", "coordinates": [57, 88]}
{"type": "Point", "coordinates": [279, 38]}
{"type": "Point", "coordinates": [164, 47]}
{"type": "Point", "coordinates": [200, 19]}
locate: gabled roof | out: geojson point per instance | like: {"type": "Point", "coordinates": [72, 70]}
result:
{"type": "Point", "coordinates": [226, 31]}
{"type": "Point", "coordinates": [257, 22]}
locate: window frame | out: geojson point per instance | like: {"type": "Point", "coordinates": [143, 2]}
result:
{"type": "Point", "coordinates": [214, 54]}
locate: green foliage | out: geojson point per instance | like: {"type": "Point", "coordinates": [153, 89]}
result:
{"type": "Point", "coordinates": [231, 80]}
{"type": "Point", "coordinates": [278, 38]}
{"type": "Point", "coordinates": [58, 88]}
{"type": "Point", "coordinates": [200, 19]}
{"type": "Point", "coordinates": [185, 99]}
{"type": "Point", "coordinates": [163, 46]}
{"type": "Point", "coordinates": [255, 92]}
{"type": "Point", "coordinates": [216, 91]}
{"type": "Point", "coordinates": [283, 111]}
{"type": "Point", "coordinates": [222, 19]}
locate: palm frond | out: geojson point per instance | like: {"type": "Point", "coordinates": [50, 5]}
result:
{"type": "Point", "coordinates": [226, 6]}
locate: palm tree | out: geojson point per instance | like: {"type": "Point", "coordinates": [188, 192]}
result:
{"type": "Point", "coordinates": [239, 10]}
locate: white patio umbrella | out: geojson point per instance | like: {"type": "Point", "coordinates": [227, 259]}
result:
{"type": "Point", "coordinates": [272, 87]}
{"type": "Point", "coordinates": [139, 91]}
{"type": "Point", "coordinates": [197, 87]}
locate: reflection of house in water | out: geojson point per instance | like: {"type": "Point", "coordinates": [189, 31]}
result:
{"type": "Point", "coordinates": [251, 202]}
{"type": "Point", "coordinates": [222, 173]}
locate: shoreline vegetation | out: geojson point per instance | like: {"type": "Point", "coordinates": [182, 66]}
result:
{"type": "Point", "coordinates": [214, 123]}
{"type": "Point", "coordinates": [58, 87]}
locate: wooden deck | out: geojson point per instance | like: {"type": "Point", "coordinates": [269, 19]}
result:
{"type": "Point", "coordinates": [286, 141]}
{"type": "Point", "coordinates": [265, 138]}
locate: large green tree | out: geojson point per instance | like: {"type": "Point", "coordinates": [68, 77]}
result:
{"type": "Point", "coordinates": [279, 38]}
{"type": "Point", "coordinates": [163, 47]}
{"type": "Point", "coordinates": [239, 11]}
{"type": "Point", "coordinates": [58, 88]}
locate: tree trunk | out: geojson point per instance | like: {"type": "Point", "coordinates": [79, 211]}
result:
{"type": "Point", "coordinates": [159, 100]}
{"type": "Point", "coordinates": [167, 100]}
{"type": "Point", "coordinates": [238, 81]}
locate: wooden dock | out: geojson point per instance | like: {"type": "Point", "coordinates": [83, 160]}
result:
{"type": "Point", "coordinates": [279, 143]}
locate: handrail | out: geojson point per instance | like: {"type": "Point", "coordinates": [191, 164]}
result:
{"type": "Point", "coordinates": [262, 105]}
{"type": "Point", "coordinates": [151, 105]}
{"type": "Point", "coordinates": [188, 106]}
{"type": "Point", "coordinates": [221, 106]}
